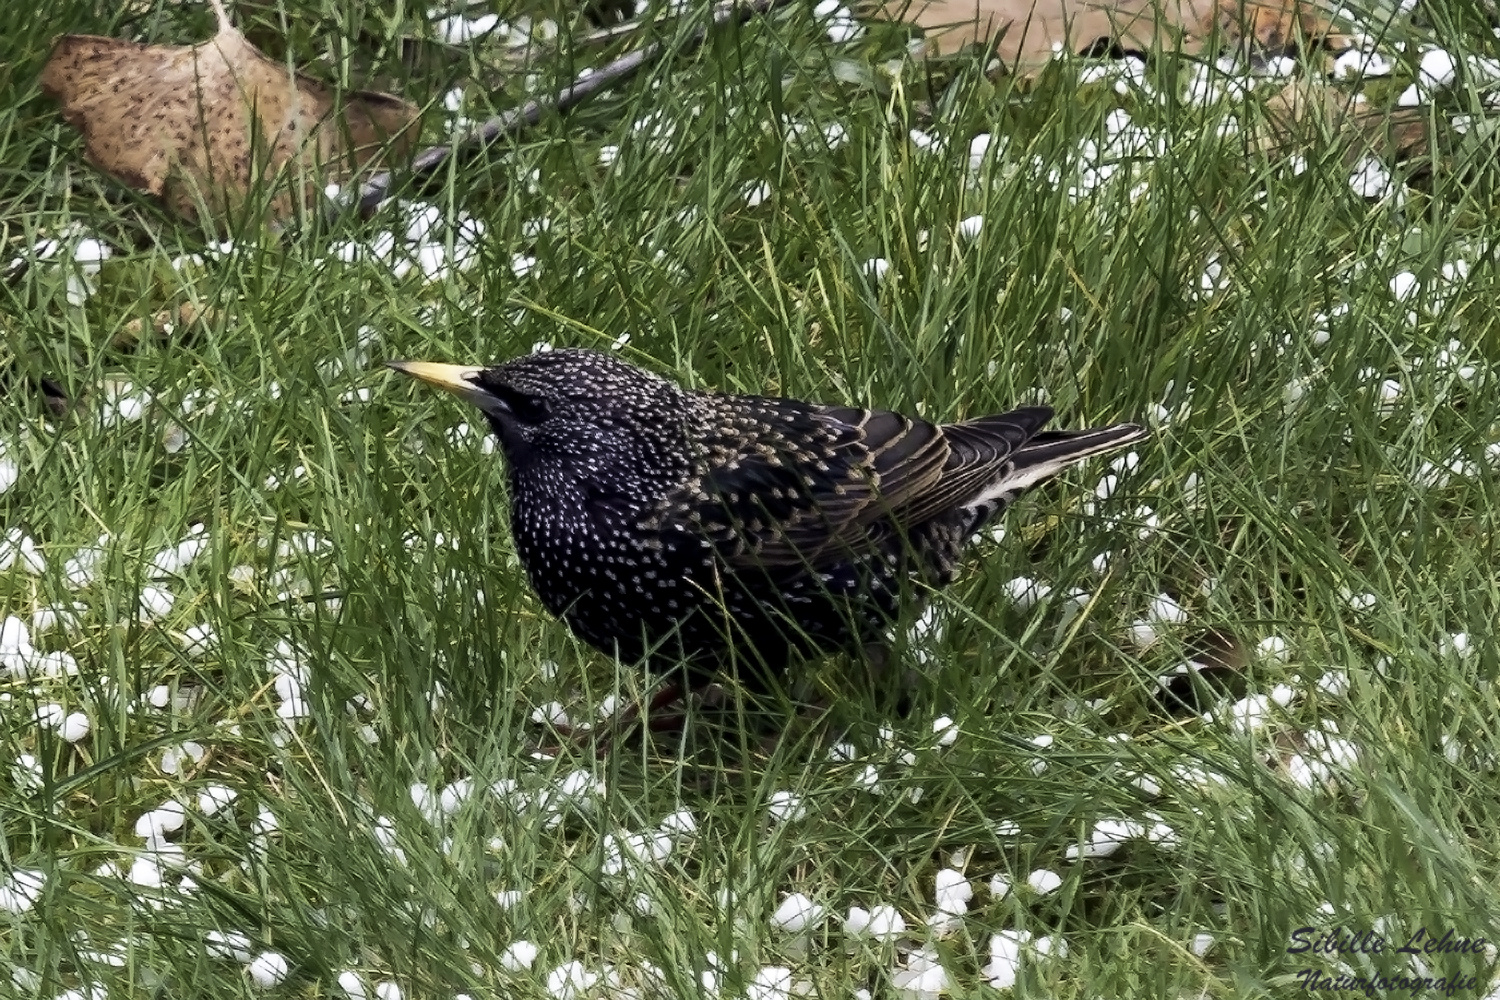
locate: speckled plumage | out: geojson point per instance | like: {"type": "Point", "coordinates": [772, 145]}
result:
{"type": "Point", "coordinates": [673, 525]}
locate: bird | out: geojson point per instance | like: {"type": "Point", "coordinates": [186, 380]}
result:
{"type": "Point", "coordinates": [712, 533]}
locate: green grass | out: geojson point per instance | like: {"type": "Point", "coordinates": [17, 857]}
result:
{"type": "Point", "coordinates": [424, 659]}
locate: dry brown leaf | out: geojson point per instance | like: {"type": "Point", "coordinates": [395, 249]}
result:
{"type": "Point", "coordinates": [199, 125]}
{"type": "Point", "coordinates": [1310, 108]}
{"type": "Point", "coordinates": [164, 322]}
{"type": "Point", "coordinates": [1030, 30]}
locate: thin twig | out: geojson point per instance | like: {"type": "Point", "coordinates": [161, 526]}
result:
{"type": "Point", "coordinates": [378, 188]}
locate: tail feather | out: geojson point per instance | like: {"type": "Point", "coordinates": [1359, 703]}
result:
{"type": "Point", "coordinates": [1049, 452]}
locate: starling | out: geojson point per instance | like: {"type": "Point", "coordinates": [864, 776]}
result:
{"type": "Point", "coordinates": [702, 529]}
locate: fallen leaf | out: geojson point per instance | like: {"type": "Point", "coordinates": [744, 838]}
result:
{"type": "Point", "coordinates": [1030, 31]}
{"type": "Point", "coordinates": [200, 125]}
{"type": "Point", "coordinates": [165, 322]}
{"type": "Point", "coordinates": [1312, 108]}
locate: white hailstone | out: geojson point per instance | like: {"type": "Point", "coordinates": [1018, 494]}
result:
{"type": "Point", "coordinates": [425, 798]}
{"type": "Point", "coordinates": [522, 264]}
{"type": "Point", "coordinates": [551, 714]}
{"type": "Point", "coordinates": [971, 227]}
{"type": "Point", "coordinates": [882, 923]}
{"type": "Point", "coordinates": [1107, 486]}
{"type": "Point", "coordinates": [1164, 609]}
{"type": "Point", "coordinates": [1212, 279]}
{"type": "Point", "coordinates": [844, 28]}
{"type": "Point", "coordinates": [21, 889]}
{"type": "Point", "coordinates": [176, 558]}
{"type": "Point", "coordinates": [1005, 958]}
{"type": "Point", "coordinates": [979, 146]}
{"type": "Point", "coordinates": [214, 798]}
{"type": "Point", "coordinates": [352, 985]}
{"type": "Point", "coordinates": [771, 982]}
{"type": "Point", "coordinates": [1107, 837]}
{"type": "Point", "coordinates": [507, 899]}
{"type": "Point", "coordinates": [756, 192]}
{"type": "Point", "coordinates": [20, 548]}
{"type": "Point", "coordinates": [570, 981]}
{"type": "Point", "coordinates": [797, 913]}
{"type": "Point", "coordinates": [1458, 643]}
{"type": "Point", "coordinates": [196, 639]}
{"type": "Point", "coordinates": [228, 944]}
{"type": "Point", "coordinates": [453, 796]}
{"type": "Point", "coordinates": [146, 871]}
{"type": "Point", "coordinates": [176, 760]}
{"type": "Point", "coordinates": [287, 686]}
{"type": "Point", "coordinates": [1000, 886]}
{"type": "Point", "coordinates": [1161, 834]}
{"type": "Point", "coordinates": [1274, 647]}
{"type": "Point", "coordinates": [876, 267]}
{"type": "Point", "coordinates": [869, 780]}
{"type": "Point", "coordinates": [608, 154]}
{"type": "Point", "coordinates": [74, 727]}
{"type": "Point", "coordinates": [1201, 943]}
{"type": "Point", "coordinates": [946, 731]}
{"type": "Point", "coordinates": [1042, 742]}
{"type": "Point", "coordinates": [1026, 592]}
{"type": "Point", "coordinates": [55, 664]}
{"type": "Point", "coordinates": [421, 221]}
{"type": "Point", "coordinates": [1100, 563]}
{"type": "Point", "coordinates": [164, 819]}
{"type": "Point", "coordinates": [1437, 69]}
{"type": "Point", "coordinates": [387, 990]}
{"type": "Point", "coordinates": [579, 785]}
{"type": "Point", "coordinates": [952, 891]}
{"type": "Point", "coordinates": [155, 602]}
{"type": "Point", "coordinates": [26, 773]}
{"type": "Point", "coordinates": [1308, 772]}
{"type": "Point", "coordinates": [786, 806]}
{"type": "Point", "coordinates": [1355, 63]}
{"type": "Point", "coordinates": [924, 978]}
{"type": "Point", "coordinates": [50, 714]}
{"type": "Point", "coordinates": [518, 956]}
{"type": "Point", "coordinates": [264, 824]}
{"type": "Point", "coordinates": [1371, 179]}
{"type": "Point", "coordinates": [618, 344]}
{"type": "Point", "coordinates": [923, 141]}
{"type": "Point", "coordinates": [1334, 683]}
{"type": "Point", "coordinates": [1248, 715]}
{"type": "Point", "coordinates": [10, 472]}
{"type": "Point", "coordinates": [1403, 285]}
{"type": "Point", "coordinates": [268, 969]}
{"type": "Point", "coordinates": [681, 823]}
{"type": "Point", "coordinates": [432, 261]}
{"type": "Point", "coordinates": [1044, 881]}
{"type": "Point", "coordinates": [1143, 634]}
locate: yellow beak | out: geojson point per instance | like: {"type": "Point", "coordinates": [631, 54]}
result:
{"type": "Point", "coordinates": [450, 378]}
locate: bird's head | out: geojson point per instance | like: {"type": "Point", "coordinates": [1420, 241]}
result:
{"type": "Point", "coordinates": [577, 405]}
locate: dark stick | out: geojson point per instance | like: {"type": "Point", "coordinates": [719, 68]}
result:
{"type": "Point", "coordinates": [378, 188]}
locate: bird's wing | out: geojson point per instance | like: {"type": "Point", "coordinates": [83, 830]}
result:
{"type": "Point", "coordinates": [980, 453]}
{"type": "Point", "coordinates": [791, 483]}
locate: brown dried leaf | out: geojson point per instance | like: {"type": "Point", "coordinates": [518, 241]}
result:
{"type": "Point", "coordinates": [1310, 108]}
{"type": "Point", "coordinates": [199, 125]}
{"type": "Point", "coordinates": [163, 323]}
{"type": "Point", "coordinates": [1030, 30]}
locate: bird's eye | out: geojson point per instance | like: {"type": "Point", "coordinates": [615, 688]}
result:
{"type": "Point", "coordinates": [527, 409]}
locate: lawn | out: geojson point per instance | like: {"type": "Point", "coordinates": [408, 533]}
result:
{"type": "Point", "coordinates": [1217, 719]}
